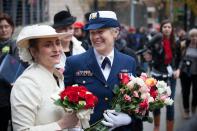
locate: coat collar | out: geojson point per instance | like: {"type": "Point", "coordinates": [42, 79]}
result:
{"type": "Point", "coordinates": [94, 66]}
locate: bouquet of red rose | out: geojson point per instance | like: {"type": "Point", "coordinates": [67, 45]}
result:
{"type": "Point", "coordinates": [137, 96]}
{"type": "Point", "coordinates": [77, 99]}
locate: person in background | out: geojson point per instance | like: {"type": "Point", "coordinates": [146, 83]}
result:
{"type": "Point", "coordinates": [78, 30]}
{"type": "Point", "coordinates": [86, 43]}
{"type": "Point", "coordinates": [64, 23]}
{"type": "Point", "coordinates": [31, 103]}
{"type": "Point", "coordinates": [7, 45]}
{"type": "Point", "coordinates": [164, 63]}
{"type": "Point", "coordinates": [137, 40]}
{"type": "Point", "coordinates": [188, 67]}
{"type": "Point", "coordinates": [99, 67]}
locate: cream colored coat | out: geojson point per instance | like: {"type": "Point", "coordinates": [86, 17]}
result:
{"type": "Point", "coordinates": [31, 103]}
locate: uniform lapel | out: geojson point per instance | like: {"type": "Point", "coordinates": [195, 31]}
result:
{"type": "Point", "coordinates": [94, 67]}
{"type": "Point", "coordinates": [116, 67]}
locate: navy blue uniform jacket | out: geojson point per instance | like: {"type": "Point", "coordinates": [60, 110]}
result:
{"type": "Point", "coordinates": [84, 70]}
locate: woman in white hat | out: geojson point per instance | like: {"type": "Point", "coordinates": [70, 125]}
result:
{"type": "Point", "coordinates": [31, 103]}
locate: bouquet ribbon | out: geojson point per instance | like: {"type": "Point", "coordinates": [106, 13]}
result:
{"type": "Point", "coordinates": [84, 117]}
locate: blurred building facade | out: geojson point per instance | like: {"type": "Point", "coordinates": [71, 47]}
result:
{"type": "Point", "coordinates": [134, 13]}
{"type": "Point", "coordinates": [26, 12]}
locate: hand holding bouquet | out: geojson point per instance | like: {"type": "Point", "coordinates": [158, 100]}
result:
{"type": "Point", "coordinates": [136, 96]}
{"type": "Point", "coordinates": [77, 99]}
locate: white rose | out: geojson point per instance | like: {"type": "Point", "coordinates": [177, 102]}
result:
{"type": "Point", "coordinates": [161, 90]}
{"type": "Point", "coordinates": [145, 95]}
{"type": "Point", "coordinates": [150, 99]}
{"type": "Point", "coordinates": [168, 101]}
{"type": "Point", "coordinates": [168, 90]}
{"type": "Point", "coordinates": [130, 85]}
{"type": "Point", "coordinates": [140, 81]}
{"type": "Point", "coordinates": [144, 89]}
{"type": "Point", "coordinates": [161, 84]}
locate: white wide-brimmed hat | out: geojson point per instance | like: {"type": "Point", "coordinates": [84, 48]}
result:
{"type": "Point", "coordinates": [36, 31]}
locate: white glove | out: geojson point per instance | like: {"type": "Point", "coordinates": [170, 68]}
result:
{"type": "Point", "coordinates": [75, 129]}
{"type": "Point", "coordinates": [115, 119]}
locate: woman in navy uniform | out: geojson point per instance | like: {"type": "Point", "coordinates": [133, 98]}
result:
{"type": "Point", "coordinates": [99, 67]}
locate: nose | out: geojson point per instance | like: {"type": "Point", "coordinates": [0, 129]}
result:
{"type": "Point", "coordinates": [56, 47]}
{"type": "Point", "coordinates": [3, 28]}
{"type": "Point", "coordinates": [95, 35]}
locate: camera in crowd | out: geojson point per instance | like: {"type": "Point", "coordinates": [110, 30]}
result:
{"type": "Point", "coordinates": [154, 42]}
{"type": "Point", "coordinates": [187, 62]}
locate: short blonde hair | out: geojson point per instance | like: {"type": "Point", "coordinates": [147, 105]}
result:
{"type": "Point", "coordinates": [193, 32]}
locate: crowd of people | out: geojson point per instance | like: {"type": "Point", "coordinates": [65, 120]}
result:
{"type": "Point", "coordinates": [92, 53]}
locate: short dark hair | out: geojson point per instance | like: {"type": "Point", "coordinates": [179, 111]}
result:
{"type": "Point", "coordinates": [4, 16]}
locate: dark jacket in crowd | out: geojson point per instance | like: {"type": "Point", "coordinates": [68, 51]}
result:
{"type": "Point", "coordinates": [121, 45]}
{"type": "Point", "coordinates": [5, 87]}
{"type": "Point", "coordinates": [158, 56]}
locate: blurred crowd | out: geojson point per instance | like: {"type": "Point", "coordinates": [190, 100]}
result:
{"type": "Point", "coordinates": [164, 52]}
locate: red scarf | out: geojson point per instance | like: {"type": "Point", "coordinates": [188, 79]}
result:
{"type": "Point", "coordinates": [167, 50]}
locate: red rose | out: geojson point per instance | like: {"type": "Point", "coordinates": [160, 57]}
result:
{"type": "Point", "coordinates": [153, 92]}
{"type": "Point", "coordinates": [75, 94]}
{"type": "Point", "coordinates": [124, 77]}
{"type": "Point", "coordinates": [91, 101]}
{"type": "Point", "coordinates": [73, 97]}
{"type": "Point", "coordinates": [144, 104]}
{"type": "Point", "coordinates": [63, 94]}
{"type": "Point", "coordinates": [82, 94]}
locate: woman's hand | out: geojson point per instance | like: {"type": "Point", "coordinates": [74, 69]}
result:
{"type": "Point", "coordinates": [176, 73]}
{"type": "Point", "coordinates": [69, 121]}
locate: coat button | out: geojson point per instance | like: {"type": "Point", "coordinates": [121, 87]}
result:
{"type": "Point", "coordinates": [106, 99]}
{"type": "Point", "coordinates": [83, 82]}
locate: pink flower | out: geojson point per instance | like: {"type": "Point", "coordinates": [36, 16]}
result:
{"type": "Point", "coordinates": [143, 76]}
{"type": "Point", "coordinates": [135, 94]}
{"type": "Point", "coordinates": [163, 97]}
{"type": "Point", "coordinates": [127, 98]}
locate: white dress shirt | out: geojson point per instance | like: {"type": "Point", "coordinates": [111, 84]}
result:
{"type": "Point", "coordinates": [100, 59]}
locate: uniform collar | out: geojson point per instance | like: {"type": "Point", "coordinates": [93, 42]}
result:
{"type": "Point", "coordinates": [100, 57]}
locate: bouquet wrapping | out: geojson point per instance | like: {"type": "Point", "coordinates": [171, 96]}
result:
{"type": "Point", "coordinates": [77, 99]}
{"type": "Point", "coordinates": [137, 96]}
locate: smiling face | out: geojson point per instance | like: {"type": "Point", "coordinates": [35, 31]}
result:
{"type": "Point", "coordinates": [47, 52]}
{"type": "Point", "coordinates": [103, 39]}
{"type": "Point", "coordinates": [5, 30]}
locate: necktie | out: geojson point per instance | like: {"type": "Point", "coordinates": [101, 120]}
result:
{"type": "Point", "coordinates": [105, 62]}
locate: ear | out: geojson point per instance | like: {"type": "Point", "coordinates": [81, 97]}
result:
{"type": "Point", "coordinates": [33, 52]}
{"type": "Point", "coordinates": [116, 33]}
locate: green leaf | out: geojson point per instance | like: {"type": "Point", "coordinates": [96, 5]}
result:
{"type": "Point", "coordinates": [98, 126]}
{"type": "Point", "coordinates": [132, 107]}
{"type": "Point", "coordinates": [118, 108]}
{"type": "Point", "coordinates": [58, 102]}
{"type": "Point", "coordinates": [116, 89]}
